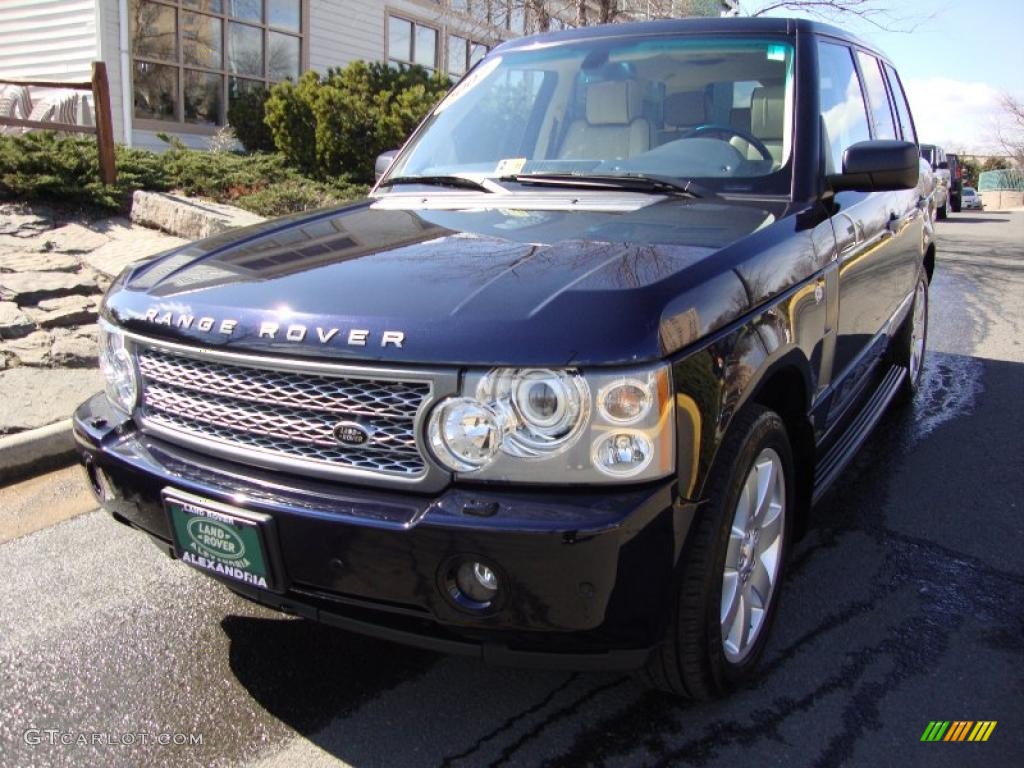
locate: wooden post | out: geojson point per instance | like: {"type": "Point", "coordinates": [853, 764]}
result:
{"type": "Point", "coordinates": [104, 124]}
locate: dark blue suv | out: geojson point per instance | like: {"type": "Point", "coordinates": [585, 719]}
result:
{"type": "Point", "coordinates": [562, 390]}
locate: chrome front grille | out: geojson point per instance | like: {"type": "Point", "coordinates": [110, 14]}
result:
{"type": "Point", "coordinates": [283, 417]}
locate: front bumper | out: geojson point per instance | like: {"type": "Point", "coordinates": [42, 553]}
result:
{"type": "Point", "coordinates": [588, 576]}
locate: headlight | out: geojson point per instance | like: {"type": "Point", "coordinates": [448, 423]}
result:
{"type": "Point", "coordinates": [543, 409]}
{"type": "Point", "coordinates": [539, 425]}
{"type": "Point", "coordinates": [118, 368]}
{"type": "Point", "coordinates": [465, 435]}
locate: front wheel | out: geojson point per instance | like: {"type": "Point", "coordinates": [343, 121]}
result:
{"type": "Point", "coordinates": [732, 565]}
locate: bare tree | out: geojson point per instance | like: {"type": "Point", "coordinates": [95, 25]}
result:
{"type": "Point", "coordinates": [877, 13]}
{"type": "Point", "coordinates": [1010, 127]}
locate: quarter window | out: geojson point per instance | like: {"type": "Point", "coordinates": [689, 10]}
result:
{"type": "Point", "coordinates": [189, 57]}
{"type": "Point", "coordinates": [885, 128]}
{"type": "Point", "coordinates": [842, 103]}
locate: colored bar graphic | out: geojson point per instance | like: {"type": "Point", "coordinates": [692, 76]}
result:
{"type": "Point", "coordinates": [982, 730]}
{"type": "Point", "coordinates": [935, 730]}
{"type": "Point", "coordinates": [958, 730]}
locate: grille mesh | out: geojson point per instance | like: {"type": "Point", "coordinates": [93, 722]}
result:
{"type": "Point", "coordinates": [285, 414]}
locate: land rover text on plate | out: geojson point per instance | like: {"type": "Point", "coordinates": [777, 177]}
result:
{"type": "Point", "coordinates": [563, 389]}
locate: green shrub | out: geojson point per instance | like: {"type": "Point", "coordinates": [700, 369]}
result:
{"type": "Point", "coordinates": [246, 114]}
{"type": "Point", "coordinates": [295, 195]}
{"type": "Point", "coordinates": [335, 126]}
{"type": "Point", "coordinates": [289, 117]}
{"type": "Point", "coordinates": [43, 166]}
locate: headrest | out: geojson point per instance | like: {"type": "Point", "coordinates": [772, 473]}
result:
{"type": "Point", "coordinates": [767, 107]}
{"type": "Point", "coordinates": [685, 108]}
{"type": "Point", "coordinates": [614, 102]}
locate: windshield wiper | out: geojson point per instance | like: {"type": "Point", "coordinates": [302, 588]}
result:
{"type": "Point", "coordinates": [634, 182]}
{"type": "Point", "coordinates": [462, 182]}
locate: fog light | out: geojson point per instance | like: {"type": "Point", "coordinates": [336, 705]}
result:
{"type": "Point", "coordinates": [477, 581]}
{"type": "Point", "coordinates": [622, 454]}
{"type": "Point", "coordinates": [471, 584]}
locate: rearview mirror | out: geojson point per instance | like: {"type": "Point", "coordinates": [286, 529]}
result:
{"type": "Point", "coordinates": [876, 166]}
{"type": "Point", "coordinates": [384, 161]}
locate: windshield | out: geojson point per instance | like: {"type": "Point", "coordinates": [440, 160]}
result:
{"type": "Point", "coordinates": [714, 110]}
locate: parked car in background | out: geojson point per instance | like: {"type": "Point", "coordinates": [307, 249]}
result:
{"type": "Point", "coordinates": [943, 191]}
{"type": "Point", "coordinates": [956, 181]}
{"type": "Point", "coordinates": [970, 199]}
{"type": "Point", "coordinates": [563, 390]}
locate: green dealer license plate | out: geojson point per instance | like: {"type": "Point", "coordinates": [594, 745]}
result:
{"type": "Point", "coordinates": [224, 541]}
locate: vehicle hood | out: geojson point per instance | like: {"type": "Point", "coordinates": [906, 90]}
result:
{"type": "Point", "coordinates": [454, 284]}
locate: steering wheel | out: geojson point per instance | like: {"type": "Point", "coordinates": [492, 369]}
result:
{"type": "Point", "coordinates": [728, 130]}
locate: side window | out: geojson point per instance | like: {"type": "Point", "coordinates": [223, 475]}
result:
{"type": "Point", "coordinates": [885, 128]}
{"type": "Point", "coordinates": [902, 107]}
{"type": "Point", "coordinates": [842, 105]}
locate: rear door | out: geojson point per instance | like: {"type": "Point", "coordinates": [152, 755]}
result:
{"type": "Point", "coordinates": [913, 203]}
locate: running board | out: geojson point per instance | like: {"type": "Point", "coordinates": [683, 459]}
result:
{"type": "Point", "coordinates": [839, 455]}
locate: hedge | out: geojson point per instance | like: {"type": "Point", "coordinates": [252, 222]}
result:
{"type": "Point", "coordinates": [47, 167]}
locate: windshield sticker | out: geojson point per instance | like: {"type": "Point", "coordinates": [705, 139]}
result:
{"type": "Point", "coordinates": [776, 53]}
{"type": "Point", "coordinates": [510, 166]}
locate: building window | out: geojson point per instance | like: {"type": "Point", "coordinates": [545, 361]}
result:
{"type": "Point", "coordinates": [190, 57]}
{"type": "Point", "coordinates": [411, 43]}
{"type": "Point", "coordinates": [463, 54]}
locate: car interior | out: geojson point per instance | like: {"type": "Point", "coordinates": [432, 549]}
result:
{"type": "Point", "coordinates": [713, 109]}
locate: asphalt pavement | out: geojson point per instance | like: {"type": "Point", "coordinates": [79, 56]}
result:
{"type": "Point", "coordinates": [904, 604]}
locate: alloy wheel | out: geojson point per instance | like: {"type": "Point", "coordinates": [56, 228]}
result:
{"type": "Point", "coordinates": [753, 557]}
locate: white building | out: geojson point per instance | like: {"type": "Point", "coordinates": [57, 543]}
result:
{"type": "Point", "coordinates": [173, 65]}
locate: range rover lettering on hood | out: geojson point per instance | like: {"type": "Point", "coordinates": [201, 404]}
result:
{"type": "Point", "coordinates": [296, 332]}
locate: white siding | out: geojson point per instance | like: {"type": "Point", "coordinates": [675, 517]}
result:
{"type": "Point", "coordinates": [342, 31]}
{"type": "Point", "coordinates": [47, 39]}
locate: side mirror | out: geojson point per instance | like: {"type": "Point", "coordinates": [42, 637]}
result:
{"type": "Point", "coordinates": [384, 161]}
{"type": "Point", "coordinates": [876, 166]}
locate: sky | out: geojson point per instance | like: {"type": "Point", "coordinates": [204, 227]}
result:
{"type": "Point", "coordinates": [959, 57]}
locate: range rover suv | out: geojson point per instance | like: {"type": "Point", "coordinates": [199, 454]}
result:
{"type": "Point", "coordinates": [563, 389]}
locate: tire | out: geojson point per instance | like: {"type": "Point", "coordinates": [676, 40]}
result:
{"type": "Point", "coordinates": [911, 343]}
{"type": "Point", "coordinates": [697, 658]}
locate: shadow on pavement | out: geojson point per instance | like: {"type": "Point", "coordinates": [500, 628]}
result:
{"type": "Point", "coordinates": [306, 674]}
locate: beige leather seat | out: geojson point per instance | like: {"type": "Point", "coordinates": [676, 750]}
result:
{"type": "Point", "coordinates": [613, 128]}
{"type": "Point", "coordinates": [767, 108]}
{"type": "Point", "coordinates": [683, 112]}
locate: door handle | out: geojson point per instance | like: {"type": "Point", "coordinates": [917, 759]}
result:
{"type": "Point", "coordinates": [896, 223]}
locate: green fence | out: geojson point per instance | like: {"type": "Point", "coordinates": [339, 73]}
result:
{"type": "Point", "coordinates": [1008, 179]}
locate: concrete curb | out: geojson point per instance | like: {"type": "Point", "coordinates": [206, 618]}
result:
{"type": "Point", "coordinates": [35, 451]}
